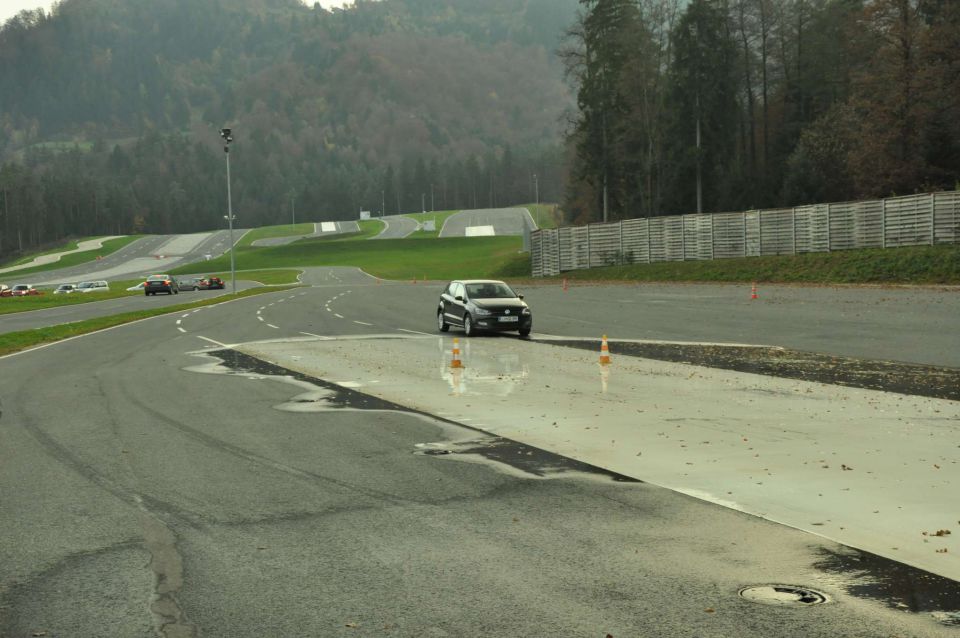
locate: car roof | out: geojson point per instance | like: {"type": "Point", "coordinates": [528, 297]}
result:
{"type": "Point", "coordinates": [478, 281]}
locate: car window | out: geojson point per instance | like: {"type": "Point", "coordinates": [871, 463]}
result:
{"type": "Point", "coordinates": [458, 291]}
{"type": "Point", "coordinates": [490, 291]}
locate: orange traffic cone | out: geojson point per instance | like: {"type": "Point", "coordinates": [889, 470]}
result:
{"type": "Point", "coordinates": [604, 352]}
{"type": "Point", "coordinates": [456, 363]}
{"type": "Point", "coordinates": [753, 292]}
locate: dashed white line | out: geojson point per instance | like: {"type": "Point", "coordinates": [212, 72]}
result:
{"type": "Point", "coordinates": [337, 315]}
{"type": "Point", "coordinates": [180, 329]}
{"type": "Point", "coordinates": [178, 321]}
{"type": "Point", "coordinates": [270, 325]}
{"type": "Point", "coordinates": [184, 316]}
{"type": "Point", "coordinates": [363, 323]}
{"type": "Point", "coordinates": [414, 332]}
{"type": "Point", "coordinates": [310, 334]}
{"type": "Point", "coordinates": [261, 318]}
{"type": "Point", "coordinates": [328, 309]}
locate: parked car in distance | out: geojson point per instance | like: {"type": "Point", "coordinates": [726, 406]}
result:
{"type": "Point", "coordinates": [161, 283]}
{"type": "Point", "coordinates": [93, 286]}
{"type": "Point", "coordinates": [6, 291]}
{"type": "Point", "coordinates": [214, 283]}
{"type": "Point", "coordinates": [24, 290]}
{"type": "Point", "coordinates": [65, 289]}
{"type": "Point", "coordinates": [137, 288]}
{"type": "Point", "coordinates": [483, 304]}
{"type": "Point", "coordinates": [191, 283]}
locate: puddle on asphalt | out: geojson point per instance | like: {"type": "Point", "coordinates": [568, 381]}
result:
{"type": "Point", "coordinates": [322, 396]}
{"type": "Point", "coordinates": [890, 376]}
{"type": "Point", "coordinates": [864, 575]}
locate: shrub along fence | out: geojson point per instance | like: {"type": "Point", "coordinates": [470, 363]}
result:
{"type": "Point", "coordinates": [913, 220]}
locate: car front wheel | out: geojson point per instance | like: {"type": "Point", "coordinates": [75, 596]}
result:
{"type": "Point", "coordinates": [442, 325]}
{"type": "Point", "coordinates": [525, 332]}
{"type": "Point", "coordinates": [468, 326]}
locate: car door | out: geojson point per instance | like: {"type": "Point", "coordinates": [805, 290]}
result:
{"type": "Point", "coordinates": [458, 305]}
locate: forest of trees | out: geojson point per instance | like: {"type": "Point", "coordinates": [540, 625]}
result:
{"type": "Point", "coordinates": [793, 101]}
{"type": "Point", "coordinates": [110, 111]}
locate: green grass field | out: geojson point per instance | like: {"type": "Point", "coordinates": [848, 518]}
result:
{"type": "Point", "coordinates": [62, 248]}
{"type": "Point", "coordinates": [439, 217]}
{"type": "Point", "coordinates": [15, 341]}
{"type": "Point", "coordinates": [272, 277]}
{"type": "Point", "coordinates": [47, 300]}
{"type": "Point", "coordinates": [546, 215]}
{"type": "Point", "coordinates": [447, 258]}
{"type": "Point", "coordinates": [75, 259]}
{"type": "Point", "coordinates": [911, 265]}
{"type": "Point", "coordinates": [271, 232]}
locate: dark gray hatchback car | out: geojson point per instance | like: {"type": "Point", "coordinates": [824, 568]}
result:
{"type": "Point", "coordinates": [483, 305]}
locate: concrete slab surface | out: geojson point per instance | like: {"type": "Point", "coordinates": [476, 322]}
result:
{"type": "Point", "coordinates": [870, 469]}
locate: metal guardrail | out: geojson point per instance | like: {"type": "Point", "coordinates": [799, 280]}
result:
{"type": "Point", "coordinates": [913, 220]}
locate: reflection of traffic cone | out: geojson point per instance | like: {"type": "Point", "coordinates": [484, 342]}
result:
{"type": "Point", "coordinates": [564, 284]}
{"type": "Point", "coordinates": [414, 281]}
{"type": "Point", "coordinates": [753, 292]}
{"type": "Point", "coordinates": [456, 381]}
{"type": "Point", "coordinates": [456, 363]}
{"type": "Point", "coordinates": [604, 378]}
{"type": "Point", "coordinates": [604, 352]}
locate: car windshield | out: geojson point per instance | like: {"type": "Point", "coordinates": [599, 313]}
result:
{"type": "Point", "coordinates": [85, 284]}
{"type": "Point", "coordinates": [21, 287]}
{"type": "Point", "coordinates": [490, 291]}
{"type": "Point", "coordinates": [157, 278]}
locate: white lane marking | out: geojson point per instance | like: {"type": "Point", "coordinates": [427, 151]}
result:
{"type": "Point", "coordinates": [184, 316]}
{"type": "Point", "coordinates": [310, 334]}
{"type": "Point", "coordinates": [262, 308]}
{"type": "Point", "coordinates": [270, 325]}
{"type": "Point", "coordinates": [363, 323]}
{"type": "Point", "coordinates": [414, 332]}
{"type": "Point", "coordinates": [281, 301]}
{"type": "Point", "coordinates": [180, 329]}
{"type": "Point", "coordinates": [328, 308]}
{"type": "Point", "coordinates": [211, 340]}
{"type": "Point", "coordinates": [259, 311]}
{"type": "Point", "coordinates": [337, 315]}
{"type": "Point", "coordinates": [261, 318]}
{"type": "Point", "coordinates": [178, 321]}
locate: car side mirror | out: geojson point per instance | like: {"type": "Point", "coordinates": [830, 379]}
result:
{"type": "Point", "coordinates": [519, 296]}
{"type": "Point", "coordinates": [459, 297]}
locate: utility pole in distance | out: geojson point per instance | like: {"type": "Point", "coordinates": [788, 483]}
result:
{"type": "Point", "coordinates": [227, 136]}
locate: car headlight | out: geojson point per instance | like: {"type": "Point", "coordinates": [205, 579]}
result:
{"type": "Point", "coordinates": [526, 311]}
{"type": "Point", "coordinates": [480, 312]}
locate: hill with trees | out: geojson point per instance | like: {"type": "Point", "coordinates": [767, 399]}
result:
{"type": "Point", "coordinates": [110, 111]}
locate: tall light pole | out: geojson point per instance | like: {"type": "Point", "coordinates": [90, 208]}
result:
{"type": "Point", "coordinates": [227, 138]}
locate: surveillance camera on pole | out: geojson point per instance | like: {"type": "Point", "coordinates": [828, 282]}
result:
{"type": "Point", "coordinates": [227, 136]}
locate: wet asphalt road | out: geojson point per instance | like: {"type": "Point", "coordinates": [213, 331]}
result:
{"type": "Point", "coordinates": [147, 491]}
{"type": "Point", "coordinates": [505, 221]}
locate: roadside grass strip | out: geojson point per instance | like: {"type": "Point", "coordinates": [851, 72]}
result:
{"type": "Point", "coordinates": [16, 341]}
{"type": "Point", "coordinates": [118, 289]}
{"type": "Point", "coordinates": [267, 277]}
{"type": "Point", "coordinates": [544, 214]}
{"type": "Point", "coordinates": [271, 232]}
{"type": "Point", "coordinates": [74, 259]}
{"type": "Point", "coordinates": [400, 259]}
{"type": "Point", "coordinates": [61, 248]}
{"type": "Point", "coordinates": [908, 265]}
{"type": "Point", "coordinates": [439, 216]}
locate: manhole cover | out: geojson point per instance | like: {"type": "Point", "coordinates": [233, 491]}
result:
{"type": "Point", "coordinates": [783, 595]}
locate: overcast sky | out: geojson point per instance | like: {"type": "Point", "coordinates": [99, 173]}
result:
{"type": "Point", "coordinates": [9, 8]}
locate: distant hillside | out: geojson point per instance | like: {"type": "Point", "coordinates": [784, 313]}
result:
{"type": "Point", "coordinates": [109, 111]}
{"type": "Point", "coordinates": [387, 79]}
